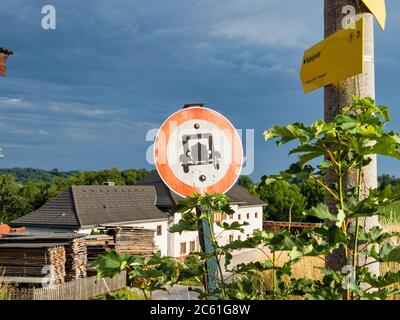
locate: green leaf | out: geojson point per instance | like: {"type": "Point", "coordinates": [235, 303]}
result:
{"type": "Point", "coordinates": [386, 253]}
{"type": "Point", "coordinates": [288, 133]}
{"type": "Point", "coordinates": [110, 264]}
{"type": "Point", "coordinates": [232, 226]}
{"type": "Point", "coordinates": [183, 225]}
{"type": "Point", "coordinates": [322, 212]}
{"type": "Point", "coordinates": [387, 279]}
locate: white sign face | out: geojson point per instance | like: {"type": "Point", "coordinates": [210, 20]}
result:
{"type": "Point", "coordinates": [198, 150]}
{"type": "Point", "coordinates": [199, 157]}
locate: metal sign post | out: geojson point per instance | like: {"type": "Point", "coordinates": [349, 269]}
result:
{"type": "Point", "coordinates": [207, 247]}
{"type": "Point", "coordinates": [199, 150]}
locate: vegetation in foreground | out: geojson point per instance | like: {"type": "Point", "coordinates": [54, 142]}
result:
{"type": "Point", "coordinates": [123, 294]}
{"type": "Point", "coordinates": [346, 145]}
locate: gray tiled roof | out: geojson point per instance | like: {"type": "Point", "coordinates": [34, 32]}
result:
{"type": "Point", "coordinates": [81, 206]}
{"type": "Point", "coordinates": [167, 199]}
{"type": "Point", "coordinates": [57, 212]}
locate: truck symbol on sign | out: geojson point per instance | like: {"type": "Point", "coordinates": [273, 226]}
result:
{"type": "Point", "coordinates": [196, 153]}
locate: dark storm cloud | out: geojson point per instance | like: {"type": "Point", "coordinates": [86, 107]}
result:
{"type": "Point", "coordinates": [84, 95]}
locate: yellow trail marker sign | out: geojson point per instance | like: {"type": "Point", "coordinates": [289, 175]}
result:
{"type": "Point", "coordinates": [337, 57]}
{"type": "Point", "coordinates": [378, 9]}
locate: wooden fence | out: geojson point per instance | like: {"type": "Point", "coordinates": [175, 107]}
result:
{"type": "Point", "coordinates": [79, 289]}
{"type": "Point", "coordinates": [277, 225]}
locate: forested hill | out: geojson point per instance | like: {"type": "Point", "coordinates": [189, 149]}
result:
{"type": "Point", "coordinates": [31, 174]}
{"type": "Point", "coordinates": [23, 190]}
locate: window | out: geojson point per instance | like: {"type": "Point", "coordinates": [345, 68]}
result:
{"type": "Point", "coordinates": [183, 248]}
{"type": "Point", "coordinates": [223, 216]}
{"type": "Point", "coordinates": [230, 238]}
{"type": "Point", "coordinates": [239, 216]}
{"type": "Point", "coordinates": [256, 215]}
{"type": "Point", "coordinates": [239, 237]}
{"type": "Point", "coordinates": [159, 230]}
{"type": "Point", "coordinates": [192, 246]}
{"type": "Point", "coordinates": [248, 215]}
{"type": "Point", "coordinates": [218, 217]}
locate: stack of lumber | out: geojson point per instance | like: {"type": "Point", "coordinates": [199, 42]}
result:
{"type": "Point", "coordinates": [74, 244]}
{"type": "Point", "coordinates": [133, 240]}
{"type": "Point", "coordinates": [33, 260]}
{"type": "Point", "coordinates": [76, 259]}
{"type": "Point", "coordinates": [97, 245]}
{"type": "Point", "coordinates": [130, 240]}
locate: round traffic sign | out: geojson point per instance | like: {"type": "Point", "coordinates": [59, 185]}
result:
{"type": "Point", "coordinates": [198, 150]}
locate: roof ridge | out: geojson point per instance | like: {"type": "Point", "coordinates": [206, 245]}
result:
{"type": "Point", "coordinates": [136, 186]}
{"type": "Point", "coordinates": [75, 204]}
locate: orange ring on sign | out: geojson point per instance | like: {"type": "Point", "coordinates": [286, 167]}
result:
{"type": "Point", "coordinates": [161, 143]}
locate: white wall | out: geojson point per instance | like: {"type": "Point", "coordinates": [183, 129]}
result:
{"type": "Point", "coordinates": [170, 243]}
{"type": "Point", "coordinates": [255, 223]}
{"type": "Point", "coordinates": [175, 239]}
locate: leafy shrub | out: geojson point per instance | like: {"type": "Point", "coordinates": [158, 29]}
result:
{"type": "Point", "coordinates": [285, 201]}
{"type": "Point", "coordinates": [345, 145]}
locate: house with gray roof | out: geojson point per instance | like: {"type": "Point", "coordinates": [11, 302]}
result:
{"type": "Point", "coordinates": [148, 204]}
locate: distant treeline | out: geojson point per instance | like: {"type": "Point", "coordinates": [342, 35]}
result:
{"type": "Point", "coordinates": [388, 181]}
{"type": "Point", "coordinates": [22, 175]}
{"type": "Point", "coordinates": [288, 200]}
{"type": "Point", "coordinates": [25, 190]}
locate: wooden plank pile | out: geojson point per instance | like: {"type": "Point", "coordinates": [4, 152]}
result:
{"type": "Point", "coordinates": [76, 264]}
{"type": "Point", "coordinates": [133, 240]}
{"type": "Point", "coordinates": [122, 239]}
{"type": "Point", "coordinates": [35, 260]}
{"type": "Point", "coordinates": [79, 251]}
{"type": "Point", "coordinates": [73, 244]}
{"type": "Point", "coordinates": [96, 245]}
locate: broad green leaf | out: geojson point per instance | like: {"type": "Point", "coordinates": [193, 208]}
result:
{"type": "Point", "coordinates": [110, 263]}
{"type": "Point", "coordinates": [322, 212]}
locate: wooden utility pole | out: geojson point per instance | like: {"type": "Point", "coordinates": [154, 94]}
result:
{"type": "Point", "coordinates": [338, 95]}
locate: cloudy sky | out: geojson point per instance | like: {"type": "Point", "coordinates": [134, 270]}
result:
{"type": "Point", "coordinates": [84, 96]}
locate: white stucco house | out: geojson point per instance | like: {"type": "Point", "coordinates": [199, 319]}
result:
{"type": "Point", "coordinates": [149, 204]}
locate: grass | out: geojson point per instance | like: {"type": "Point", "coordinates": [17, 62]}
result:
{"type": "Point", "coordinates": [4, 290]}
{"type": "Point", "coordinates": [392, 266]}
{"type": "Point", "coordinates": [390, 215]}
{"type": "Point", "coordinates": [190, 283]}
{"type": "Point", "coordinates": [123, 294]}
